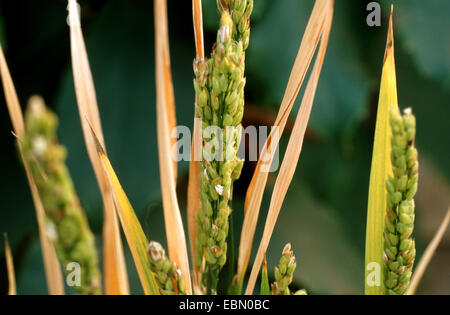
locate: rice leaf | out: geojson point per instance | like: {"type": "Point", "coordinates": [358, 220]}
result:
{"type": "Point", "coordinates": [115, 275]}
{"type": "Point", "coordinates": [10, 268]}
{"type": "Point", "coordinates": [293, 149]}
{"type": "Point", "coordinates": [197, 17]}
{"type": "Point", "coordinates": [256, 188]}
{"type": "Point", "coordinates": [428, 254]}
{"type": "Point", "coordinates": [265, 286]}
{"type": "Point", "coordinates": [380, 169]}
{"type": "Point", "coordinates": [193, 195]}
{"type": "Point", "coordinates": [52, 268]}
{"type": "Point", "coordinates": [165, 112]}
{"type": "Point", "coordinates": [137, 241]}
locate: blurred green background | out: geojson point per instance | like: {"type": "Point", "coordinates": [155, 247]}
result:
{"type": "Point", "coordinates": [324, 214]}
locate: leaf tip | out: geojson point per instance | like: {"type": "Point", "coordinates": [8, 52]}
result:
{"type": "Point", "coordinates": [390, 38]}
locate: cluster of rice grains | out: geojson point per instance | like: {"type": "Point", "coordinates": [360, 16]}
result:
{"type": "Point", "coordinates": [399, 246]}
{"type": "Point", "coordinates": [284, 273]}
{"type": "Point", "coordinates": [168, 276]}
{"type": "Point", "coordinates": [66, 222]}
{"type": "Point", "coordinates": [219, 85]}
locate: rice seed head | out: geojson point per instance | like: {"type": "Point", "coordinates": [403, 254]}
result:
{"type": "Point", "coordinates": [399, 246]}
{"type": "Point", "coordinates": [284, 273]}
{"type": "Point", "coordinates": [167, 274]}
{"type": "Point", "coordinates": [67, 226]}
{"type": "Point", "coordinates": [219, 85]}
{"type": "Point", "coordinates": [53, 273]}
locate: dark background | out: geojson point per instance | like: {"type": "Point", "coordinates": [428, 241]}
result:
{"type": "Point", "coordinates": [324, 213]}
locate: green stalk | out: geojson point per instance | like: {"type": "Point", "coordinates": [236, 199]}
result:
{"type": "Point", "coordinates": [399, 246]}
{"type": "Point", "coordinates": [219, 86]}
{"type": "Point", "coordinates": [66, 222]}
{"type": "Point", "coordinates": [265, 287]}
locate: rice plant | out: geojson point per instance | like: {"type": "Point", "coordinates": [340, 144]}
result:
{"type": "Point", "coordinates": [219, 80]}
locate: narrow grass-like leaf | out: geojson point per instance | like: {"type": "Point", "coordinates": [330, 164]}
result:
{"type": "Point", "coordinates": [115, 275]}
{"type": "Point", "coordinates": [10, 268]}
{"type": "Point", "coordinates": [162, 53]}
{"type": "Point", "coordinates": [193, 195]}
{"type": "Point", "coordinates": [293, 149]}
{"type": "Point", "coordinates": [197, 17]}
{"type": "Point", "coordinates": [256, 188]}
{"type": "Point", "coordinates": [427, 255]}
{"type": "Point", "coordinates": [137, 241]}
{"type": "Point", "coordinates": [53, 272]}
{"type": "Point", "coordinates": [380, 169]}
{"type": "Point", "coordinates": [165, 112]}
{"type": "Point", "coordinates": [265, 286]}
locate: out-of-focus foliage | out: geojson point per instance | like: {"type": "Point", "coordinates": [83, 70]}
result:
{"type": "Point", "coordinates": [424, 28]}
{"type": "Point", "coordinates": [325, 210]}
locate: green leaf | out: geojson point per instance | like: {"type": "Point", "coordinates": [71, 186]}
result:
{"type": "Point", "coordinates": [265, 287]}
{"type": "Point", "coordinates": [381, 168]}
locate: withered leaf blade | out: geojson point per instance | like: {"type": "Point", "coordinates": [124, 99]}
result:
{"type": "Point", "coordinates": [256, 188]}
{"type": "Point", "coordinates": [193, 195]}
{"type": "Point", "coordinates": [165, 114]}
{"type": "Point", "coordinates": [293, 150]}
{"type": "Point", "coordinates": [115, 274]}
{"type": "Point", "coordinates": [10, 268]}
